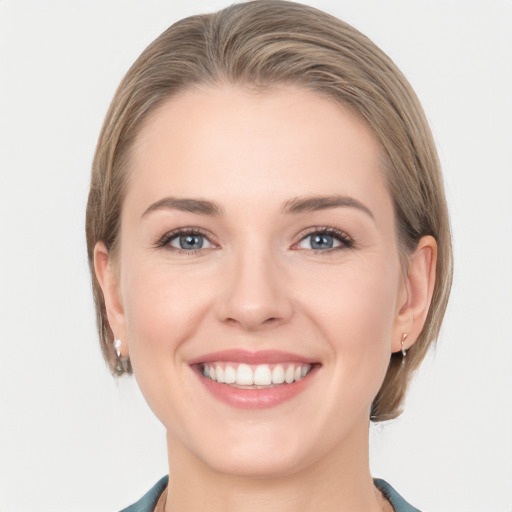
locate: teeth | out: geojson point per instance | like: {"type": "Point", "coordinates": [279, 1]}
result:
{"type": "Point", "coordinates": [244, 375]}
{"type": "Point", "coordinates": [289, 375]}
{"type": "Point", "coordinates": [262, 375]}
{"type": "Point", "coordinates": [229, 375]}
{"type": "Point", "coordinates": [257, 375]}
{"type": "Point", "coordinates": [278, 374]}
{"type": "Point", "coordinates": [219, 373]}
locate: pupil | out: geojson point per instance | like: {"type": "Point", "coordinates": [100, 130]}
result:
{"type": "Point", "coordinates": [191, 242]}
{"type": "Point", "coordinates": [321, 242]}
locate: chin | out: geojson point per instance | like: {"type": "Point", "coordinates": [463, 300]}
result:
{"type": "Point", "coordinates": [258, 456]}
{"type": "Point", "coordinates": [258, 466]}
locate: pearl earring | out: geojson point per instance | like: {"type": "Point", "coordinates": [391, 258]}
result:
{"type": "Point", "coordinates": [123, 363]}
{"type": "Point", "coordinates": [404, 350]}
{"type": "Point", "coordinates": [117, 346]}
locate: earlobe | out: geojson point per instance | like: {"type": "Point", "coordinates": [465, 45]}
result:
{"type": "Point", "coordinates": [109, 282]}
{"type": "Point", "coordinates": [420, 281]}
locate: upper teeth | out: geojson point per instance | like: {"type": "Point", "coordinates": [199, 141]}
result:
{"type": "Point", "coordinates": [258, 375]}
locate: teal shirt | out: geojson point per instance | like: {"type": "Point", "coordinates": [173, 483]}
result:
{"type": "Point", "coordinates": [148, 502]}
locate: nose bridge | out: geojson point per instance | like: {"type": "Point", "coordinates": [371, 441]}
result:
{"type": "Point", "coordinates": [256, 291]}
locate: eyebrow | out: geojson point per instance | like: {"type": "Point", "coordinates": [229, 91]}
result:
{"type": "Point", "coordinates": [199, 206]}
{"type": "Point", "coordinates": [315, 203]}
{"type": "Point", "coordinates": [296, 205]}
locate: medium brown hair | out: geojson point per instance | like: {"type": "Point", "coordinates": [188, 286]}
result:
{"type": "Point", "coordinates": [273, 42]}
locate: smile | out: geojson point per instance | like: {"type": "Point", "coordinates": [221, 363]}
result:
{"type": "Point", "coordinates": [254, 380]}
{"type": "Point", "coordinates": [255, 376]}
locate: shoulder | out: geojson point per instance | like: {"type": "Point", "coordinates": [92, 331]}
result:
{"type": "Point", "coordinates": [148, 502]}
{"type": "Point", "coordinates": [399, 504]}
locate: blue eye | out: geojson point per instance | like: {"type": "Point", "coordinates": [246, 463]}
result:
{"type": "Point", "coordinates": [186, 241]}
{"type": "Point", "coordinates": [321, 241]}
{"type": "Point", "coordinates": [190, 242]}
{"type": "Point", "coordinates": [325, 239]}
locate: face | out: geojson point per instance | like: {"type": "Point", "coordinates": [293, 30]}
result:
{"type": "Point", "coordinates": [259, 291]}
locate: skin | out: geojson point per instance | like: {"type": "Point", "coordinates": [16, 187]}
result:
{"type": "Point", "coordinates": [258, 284]}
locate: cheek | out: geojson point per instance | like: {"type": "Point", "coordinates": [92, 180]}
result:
{"type": "Point", "coordinates": [356, 314]}
{"type": "Point", "coordinates": [163, 310]}
{"type": "Point", "coordinates": [357, 299]}
{"type": "Point", "coordinates": [162, 306]}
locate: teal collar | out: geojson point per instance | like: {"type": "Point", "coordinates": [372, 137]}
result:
{"type": "Point", "coordinates": [148, 502]}
{"type": "Point", "coordinates": [399, 504]}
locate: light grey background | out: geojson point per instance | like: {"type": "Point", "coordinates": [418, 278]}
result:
{"type": "Point", "coordinates": [71, 438]}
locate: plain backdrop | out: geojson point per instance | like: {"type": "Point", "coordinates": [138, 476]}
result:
{"type": "Point", "coordinates": [74, 439]}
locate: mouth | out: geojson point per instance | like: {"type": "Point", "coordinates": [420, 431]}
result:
{"type": "Point", "coordinates": [258, 380]}
{"type": "Point", "coordinates": [261, 376]}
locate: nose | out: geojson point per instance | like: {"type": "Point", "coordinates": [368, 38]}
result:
{"type": "Point", "coordinates": [255, 295]}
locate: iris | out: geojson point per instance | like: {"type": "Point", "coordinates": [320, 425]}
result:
{"type": "Point", "coordinates": [191, 242]}
{"type": "Point", "coordinates": [321, 241]}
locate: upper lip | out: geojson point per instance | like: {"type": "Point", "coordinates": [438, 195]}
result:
{"type": "Point", "coordinates": [249, 357]}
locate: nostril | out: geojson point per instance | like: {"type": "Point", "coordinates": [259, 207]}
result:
{"type": "Point", "coordinates": [252, 323]}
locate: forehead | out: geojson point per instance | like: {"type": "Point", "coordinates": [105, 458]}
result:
{"type": "Point", "coordinates": [242, 146]}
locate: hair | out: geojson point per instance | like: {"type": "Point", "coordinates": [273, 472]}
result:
{"type": "Point", "coordinates": [266, 43]}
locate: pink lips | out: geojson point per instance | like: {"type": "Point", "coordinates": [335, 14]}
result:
{"type": "Point", "coordinates": [253, 398]}
{"type": "Point", "coordinates": [244, 356]}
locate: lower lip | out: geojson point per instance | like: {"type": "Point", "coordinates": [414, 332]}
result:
{"type": "Point", "coordinates": [256, 398]}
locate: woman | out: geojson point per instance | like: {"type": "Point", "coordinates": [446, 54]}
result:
{"type": "Point", "coordinates": [270, 250]}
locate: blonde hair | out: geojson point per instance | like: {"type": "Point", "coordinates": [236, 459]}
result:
{"type": "Point", "coordinates": [261, 44]}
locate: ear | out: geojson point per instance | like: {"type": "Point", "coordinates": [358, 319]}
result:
{"type": "Point", "coordinates": [107, 276]}
{"type": "Point", "coordinates": [418, 291]}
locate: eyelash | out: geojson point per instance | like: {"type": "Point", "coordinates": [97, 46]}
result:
{"type": "Point", "coordinates": [345, 240]}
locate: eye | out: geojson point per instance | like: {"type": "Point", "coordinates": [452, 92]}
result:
{"type": "Point", "coordinates": [186, 241]}
{"type": "Point", "coordinates": [190, 242]}
{"type": "Point", "coordinates": [325, 239]}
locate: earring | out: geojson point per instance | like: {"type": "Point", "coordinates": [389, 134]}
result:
{"type": "Point", "coordinates": [123, 363]}
{"type": "Point", "coordinates": [117, 346]}
{"type": "Point", "coordinates": [404, 350]}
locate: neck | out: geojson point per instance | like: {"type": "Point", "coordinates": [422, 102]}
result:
{"type": "Point", "coordinates": [340, 481]}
